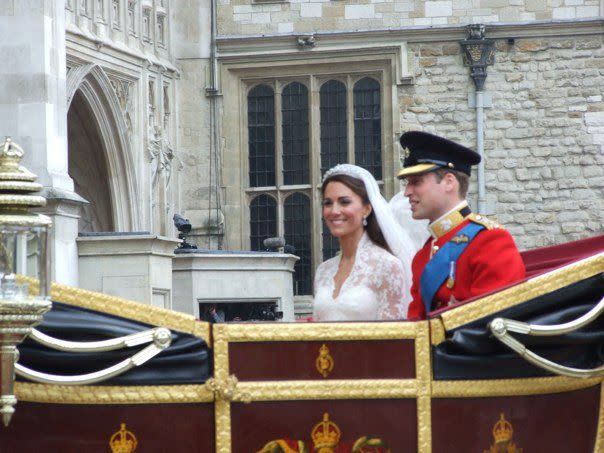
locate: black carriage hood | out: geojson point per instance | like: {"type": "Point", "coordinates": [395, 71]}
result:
{"type": "Point", "coordinates": [188, 360]}
{"type": "Point", "coordinates": [471, 352]}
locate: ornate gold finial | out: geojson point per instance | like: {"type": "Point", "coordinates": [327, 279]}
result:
{"type": "Point", "coordinates": [227, 390]}
{"type": "Point", "coordinates": [16, 182]}
{"type": "Point", "coordinates": [123, 441]}
{"type": "Point", "coordinates": [324, 362]}
{"type": "Point", "coordinates": [11, 155]}
{"type": "Point", "coordinates": [502, 435]}
{"type": "Point", "coordinates": [325, 435]}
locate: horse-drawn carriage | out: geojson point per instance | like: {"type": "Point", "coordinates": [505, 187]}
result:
{"type": "Point", "coordinates": [156, 380]}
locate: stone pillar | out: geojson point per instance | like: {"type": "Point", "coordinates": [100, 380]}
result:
{"type": "Point", "coordinates": [33, 110]}
{"type": "Point", "coordinates": [135, 266]}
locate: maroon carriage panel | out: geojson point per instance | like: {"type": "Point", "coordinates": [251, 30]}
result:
{"type": "Point", "coordinates": [77, 428]}
{"type": "Point", "coordinates": [559, 422]}
{"type": "Point", "coordinates": [394, 422]}
{"type": "Point", "coordinates": [287, 360]}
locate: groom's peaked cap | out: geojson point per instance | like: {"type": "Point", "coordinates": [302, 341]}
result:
{"type": "Point", "coordinates": [427, 152]}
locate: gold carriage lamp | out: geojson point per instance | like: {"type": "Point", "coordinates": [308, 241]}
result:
{"type": "Point", "coordinates": [23, 250]}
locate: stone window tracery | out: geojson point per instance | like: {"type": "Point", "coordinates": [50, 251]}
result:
{"type": "Point", "coordinates": [116, 19]}
{"type": "Point", "coordinates": [161, 32]}
{"type": "Point", "coordinates": [167, 109]}
{"type": "Point", "coordinates": [99, 10]}
{"type": "Point", "coordinates": [132, 17]}
{"type": "Point", "coordinates": [146, 24]}
{"type": "Point", "coordinates": [86, 8]}
{"type": "Point", "coordinates": [151, 107]}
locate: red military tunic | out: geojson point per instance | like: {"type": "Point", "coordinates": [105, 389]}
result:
{"type": "Point", "coordinates": [490, 261]}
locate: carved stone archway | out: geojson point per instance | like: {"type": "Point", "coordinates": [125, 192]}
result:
{"type": "Point", "coordinates": [94, 87]}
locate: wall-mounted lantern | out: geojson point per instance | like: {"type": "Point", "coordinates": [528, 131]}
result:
{"type": "Point", "coordinates": [478, 53]}
{"type": "Point", "coordinates": [23, 251]}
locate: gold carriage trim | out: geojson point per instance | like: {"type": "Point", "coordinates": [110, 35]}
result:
{"type": "Point", "coordinates": [238, 333]}
{"type": "Point", "coordinates": [123, 441]}
{"type": "Point", "coordinates": [437, 331]}
{"type": "Point", "coordinates": [418, 388]}
{"type": "Point", "coordinates": [509, 387]}
{"type": "Point", "coordinates": [324, 362]}
{"type": "Point", "coordinates": [523, 292]}
{"type": "Point", "coordinates": [332, 389]}
{"type": "Point", "coordinates": [125, 308]}
{"type": "Point", "coordinates": [108, 394]}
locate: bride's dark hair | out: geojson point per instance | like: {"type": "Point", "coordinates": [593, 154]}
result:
{"type": "Point", "coordinates": [357, 186]}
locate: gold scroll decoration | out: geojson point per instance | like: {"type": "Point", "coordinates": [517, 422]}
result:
{"type": "Point", "coordinates": [123, 441]}
{"type": "Point", "coordinates": [227, 390]}
{"type": "Point", "coordinates": [502, 436]}
{"type": "Point", "coordinates": [324, 362]}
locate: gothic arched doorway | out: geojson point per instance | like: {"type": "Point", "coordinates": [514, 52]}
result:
{"type": "Point", "coordinates": [87, 167]}
{"type": "Point", "coordinates": [100, 155]}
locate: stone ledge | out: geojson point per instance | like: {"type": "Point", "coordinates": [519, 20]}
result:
{"type": "Point", "coordinates": [231, 46]}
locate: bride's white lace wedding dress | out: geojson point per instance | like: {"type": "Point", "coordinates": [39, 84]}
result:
{"type": "Point", "coordinates": [377, 287]}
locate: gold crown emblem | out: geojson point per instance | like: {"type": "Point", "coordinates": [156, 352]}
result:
{"type": "Point", "coordinates": [325, 435]}
{"type": "Point", "coordinates": [502, 430]}
{"type": "Point", "coordinates": [324, 362]}
{"type": "Point", "coordinates": [123, 441]}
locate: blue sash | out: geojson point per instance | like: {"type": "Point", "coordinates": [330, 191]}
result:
{"type": "Point", "coordinates": [437, 269]}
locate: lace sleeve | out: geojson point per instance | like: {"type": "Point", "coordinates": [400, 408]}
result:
{"type": "Point", "coordinates": [393, 291]}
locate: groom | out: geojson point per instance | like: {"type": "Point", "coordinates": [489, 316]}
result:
{"type": "Point", "coordinates": [467, 255]}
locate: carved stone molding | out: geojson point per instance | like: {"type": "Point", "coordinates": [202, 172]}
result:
{"type": "Point", "coordinates": [123, 90]}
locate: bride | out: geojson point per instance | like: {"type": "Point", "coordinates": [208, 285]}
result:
{"type": "Point", "coordinates": [371, 278]}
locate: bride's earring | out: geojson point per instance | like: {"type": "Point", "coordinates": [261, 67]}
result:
{"type": "Point", "coordinates": [364, 221]}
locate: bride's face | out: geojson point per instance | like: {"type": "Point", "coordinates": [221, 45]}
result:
{"type": "Point", "coordinates": [343, 210]}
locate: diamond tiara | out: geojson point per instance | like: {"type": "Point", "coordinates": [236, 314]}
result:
{"type": "Point", "coordinates": [347, 169]}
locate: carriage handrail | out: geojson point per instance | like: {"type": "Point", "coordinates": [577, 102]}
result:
{"type": "Point", "coordinates": [161, 340]}
{"type": "Point", "coordinates": [112, 344]}
{"type": "Point", "coordinates": [500, 327]}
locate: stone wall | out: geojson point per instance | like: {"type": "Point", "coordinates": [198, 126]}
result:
{"type": "Point", "coordinates": [544, 135]}
{"type": "Point", "coordinates": [200, 166]}
{"type": "Point", "coordinates": [255, 17]}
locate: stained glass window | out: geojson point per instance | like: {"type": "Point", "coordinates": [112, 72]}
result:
{"type": "Point", "coordinates": [263, 220]}
{"type": "Point", "coordinates": [294, 111]}
{"type": "Point", "coordinates": [297, 223]}
{"type": "Point", "coordinates": [334, 133]}
{"type": "Point", "coordinates": [368, 126]}
{"type": "Point", "coordinates": [261, 132]}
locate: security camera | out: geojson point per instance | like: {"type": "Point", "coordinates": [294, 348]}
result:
{"type": "Point", "coordinates": [183, 225]}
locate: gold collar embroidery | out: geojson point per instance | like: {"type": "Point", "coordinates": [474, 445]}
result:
{"type": "Point", "coordinates": [448, 221]}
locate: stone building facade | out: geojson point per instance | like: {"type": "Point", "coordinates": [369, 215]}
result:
{"type": "Point", "coordinates": [145, 108]}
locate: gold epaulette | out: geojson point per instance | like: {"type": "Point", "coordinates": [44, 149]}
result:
{"type": "Point", "coordinates": [484, 221]}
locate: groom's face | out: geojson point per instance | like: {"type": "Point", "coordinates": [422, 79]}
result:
{"type": "Point", "coordinates": [343, 210]}
{"type": "Point", "coordinates": [427, 195]}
